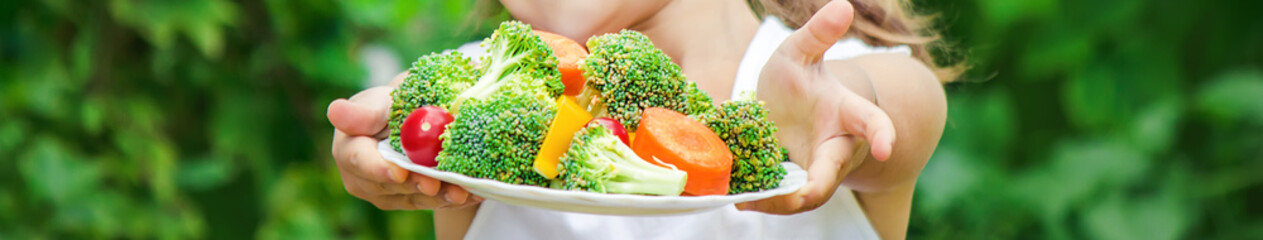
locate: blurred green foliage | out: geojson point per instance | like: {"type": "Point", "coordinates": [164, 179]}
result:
{"type": "Point", "coordinates": [1122, 119]}
{"type": "Point", "coordinates": [195, 118]}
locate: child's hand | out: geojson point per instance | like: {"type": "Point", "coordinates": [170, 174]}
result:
{"type": "Point", "coordinates": [816, 114]}
{"type": "Point", "coordinates": [361, 123]}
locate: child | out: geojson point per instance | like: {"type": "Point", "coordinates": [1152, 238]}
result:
{"type": "Point", "coordinates": [832, 100]}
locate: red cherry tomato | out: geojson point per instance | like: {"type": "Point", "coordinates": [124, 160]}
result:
{"type": "Point", "coordinates": [420, 132]}
{"type": "Point", "coordinates": [615, 127]}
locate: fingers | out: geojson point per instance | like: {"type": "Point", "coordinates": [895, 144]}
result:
{"type": "Point", "coordinates": [364, 114]}
{"type": "Point", "coordinates": [773, 205]}
{"type": "Point", "coordinates": [362, 188]}
{"type": "Point", "coordinates": [452, 197]}
{"type": "Point", "coordinates": [820, 32]}
{"type": "Point", "coordinates": [419, 192]}
{"type": "Point", "coordinates": [407, 202]}
{"type": "Point", "coordinates": [456, 195]}
{"type": "Point", "coordinates": [862, 116]}
{"type": "Point", "coordinates": [826, 169]}
{"type": "Point", "coordinates": [358, 155]}
{"type": "Point", "coordinates": [825, 172]}
{"type": "Point", "coordinates": [461, 197]}
{"type": "Point", "coordinates": [427, 185]}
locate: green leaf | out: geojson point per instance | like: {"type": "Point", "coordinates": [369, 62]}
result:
{"type": "Point", "coordinates": [1233, 97]}
{"type": "Point", "coordinates": [293, 207]}
{"type": "Point", "coordinates": [1092, 99]}
{"type": "Point", "coordinates": [56, 173]}
{"type": "Point", "coordinates": [162, 167]}
{"type": "Point", "coordinates": [1163, 215]}
{"type": "Point", "coordinates": [1057, 50]}
{"type": "Point", "coordinates": [981, 123]}
{"type": "Point", "coordinates": [1001, 14]}
{"type": "Point", "coordinates": [12, 133]}
{"type": "Point", "coordinates": [235, 128]}
{"type": "Point", "coordinates": [161, 21]}
{"type": "Point", "coordinates": [411, 224]}
{"type": "Point", "coordinates": [92, 115]}
{"type": "Point", "coordinates": [1155, 128]}
{"type": "Point", "coordinates": [328, 62]}
{"type": "Point", "coordinates": [1078, 169]}
{"type": "Point", "coordinates": [8, 204]}
{"type": "Point", "coordinates": [205, 173]}
{"type": "Point", "coordinates": [82, 50]}
{"type": "Point", "coordinates": [947, 178]}
{"type": "Point", "coordinates": [49, 89]}
{"type": "Point", "coordinates": [208, 37]}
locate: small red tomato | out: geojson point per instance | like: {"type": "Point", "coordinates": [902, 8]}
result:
{"type": "Point", "coordinates": [420, 132]}
{"type": "Point", "coordinates": [615, 127]}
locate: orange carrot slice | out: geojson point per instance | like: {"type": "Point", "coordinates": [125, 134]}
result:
{"type": "Point", "coordinates": [569, 54]}
{"type": "Point", "coordinates": [687, 144]}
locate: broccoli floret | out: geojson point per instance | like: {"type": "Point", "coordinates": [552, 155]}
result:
{"type": "Point", "coordinates": [625, 74]}
{"type": "Point", "coordinates": [502, 108]}
{"type": "Point", "coordinates": [756, 153]}
{"type": "Point", "coordinates": [697, 102]}
{"type": "Point", "coordinates": [514, 54]}
{"type": "Point", "coordinates": [598, 161]}
{"type": "Point", "coordinates": [434, 80]}
{"type": "Point", "coordinates": [498, 137]}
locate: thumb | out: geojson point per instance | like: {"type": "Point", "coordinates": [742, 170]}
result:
{"type": "Point", "coordinates": [365, 114]}
{"type": "Point", "coordinates": [824, 29]}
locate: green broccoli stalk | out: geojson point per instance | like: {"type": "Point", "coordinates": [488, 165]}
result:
{"type": "Point", "coordinates": [433, 80]}
{"type": "Point", "coordinates": [625, 74]}
{"type": "Point", "coordinates": [756, 153]}
{"type": "Point", "coordinates": [497, 138]}
{"type": "Point", "coordinates": [514, 53]}
{"type": "Point", "coordinates": [598, 161]}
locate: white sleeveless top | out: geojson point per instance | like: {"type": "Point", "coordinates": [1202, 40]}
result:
{"type": "Point", "coordinates": [839, 218]}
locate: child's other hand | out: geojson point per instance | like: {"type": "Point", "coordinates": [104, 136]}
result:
{"type": "Point", "coordinates": [822, 122]}
{"type": "Point", "coordinates": [360, 123]}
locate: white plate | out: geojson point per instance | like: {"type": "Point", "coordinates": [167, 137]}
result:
{"type": "Point", "coordinates": [590, 202]}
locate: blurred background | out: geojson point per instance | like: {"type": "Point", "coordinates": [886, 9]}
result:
{"type": "Point", "coordinates": [1122, 119]}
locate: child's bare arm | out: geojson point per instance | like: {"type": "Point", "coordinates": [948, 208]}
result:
{"type": "Point", "coordinates": [453, 223]}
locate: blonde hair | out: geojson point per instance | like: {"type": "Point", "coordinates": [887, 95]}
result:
{"type": "Point", "coordinates": [877, 23]}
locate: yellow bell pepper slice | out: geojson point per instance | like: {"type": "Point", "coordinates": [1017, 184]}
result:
{"type": "Point", "coordinates": [570, 119]}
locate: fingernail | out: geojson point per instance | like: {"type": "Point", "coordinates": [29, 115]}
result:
{"type": "Point", "coordinates": [448, 196]}
{"type": "Point", "coordinates": [743, 206]}
{"type": "Point", "coordinates": [399, 175]}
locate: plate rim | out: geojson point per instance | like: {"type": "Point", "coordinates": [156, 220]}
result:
{"type": "Point", "coordinates": [592, 199]}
